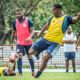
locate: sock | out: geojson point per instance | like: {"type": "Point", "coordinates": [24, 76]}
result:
{"type": "Point", "coordinates": [38, 74]}
{"type": "Point", "coordinates": [19, 64]}
{"type": "Point", "coordinates": [31, 61]}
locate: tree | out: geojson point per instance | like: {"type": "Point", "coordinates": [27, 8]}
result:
{"type": "Point", "coordinates": [7, 8]}
{"type": "Point", "coordinates": [38, 10]}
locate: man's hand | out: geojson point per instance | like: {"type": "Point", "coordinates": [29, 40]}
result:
{"type": "Point", "coordinates": [28, 39]}
{"type": "Point", "coordinates": [71, 42]}
{"type": "Point", "coordinates": [76, 18]}
{"type": "Point", "coordinates": [68, 41]}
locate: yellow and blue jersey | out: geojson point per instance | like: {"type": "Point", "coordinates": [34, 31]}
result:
{"type": "Point", "coordinates": [57, 28]}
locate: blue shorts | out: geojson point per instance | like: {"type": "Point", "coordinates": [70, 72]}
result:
{"type": "Point", "coordinates": [23, 49]}
{"type": "Point", "coordinates": [69, 55]}
{"type": "Point", "coordinates": [43, 44]}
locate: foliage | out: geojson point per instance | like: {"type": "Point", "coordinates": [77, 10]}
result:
{"type": "Point", "coordinates": [38, 10]}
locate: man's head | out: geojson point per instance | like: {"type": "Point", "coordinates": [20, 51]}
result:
{"type": "Point", "coordinates": [7, 72]}
{"type": "Point", "coordinates": [4, 72]}
{"type": "Point", "coordinates": [57, 10]}
{"type": "Point", "coordinates": [69, 30]}
{"type": "Point", "coordinates": [19, 14]}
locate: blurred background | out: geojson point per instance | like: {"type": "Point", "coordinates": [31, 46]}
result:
{"type": "Point", "coordinates": [39, 11]}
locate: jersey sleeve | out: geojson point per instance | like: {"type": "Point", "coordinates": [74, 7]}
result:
{"type": "Point", "coordinates": [67, 21]}
{"type": "Point", "coordinates": [49, 21]}
{"type": "Point", "coordinates": [14, 25]}
{"type": "Point", "coordinates": [30, 23]}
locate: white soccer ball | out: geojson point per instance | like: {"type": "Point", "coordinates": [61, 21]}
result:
{"type": "Point", "coordinates": [13, 57]}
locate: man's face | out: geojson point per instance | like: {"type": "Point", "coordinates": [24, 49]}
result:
{"type": "Point", "coordinates": [19, 14]}
{"type": "Point", "coordinates": [56, 11]}
{"type": "Point", "coordinates": [69, 30]}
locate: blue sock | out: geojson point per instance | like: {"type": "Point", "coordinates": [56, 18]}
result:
{"type": "Point", "coordinates": [19, 64]}
{"type": "Point", "coordinates": [31, 61]}
{"type": "Point", "coordinates": [38, 74]}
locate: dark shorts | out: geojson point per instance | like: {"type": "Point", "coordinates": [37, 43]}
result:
{"type": "Point", "coordinates": [69, 55]}
{"type": "Point", "coordinates": [43, 44]}
{"type": "Point", "coordinates": [23, 49]}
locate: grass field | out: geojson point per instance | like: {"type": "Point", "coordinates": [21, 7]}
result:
{"type": "Point", "coordinates": [45, 76]}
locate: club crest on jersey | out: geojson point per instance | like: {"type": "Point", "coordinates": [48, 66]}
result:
{"type": "Point", "coordinates": [59, 21]}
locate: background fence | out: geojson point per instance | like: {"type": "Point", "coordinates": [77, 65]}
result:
{"type": "Point", "coordinates": [57, 61]}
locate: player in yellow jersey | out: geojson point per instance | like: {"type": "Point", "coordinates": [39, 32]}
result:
{"type": "Point", "coordinates": [1, 70]}
{"type": "Point", "coordinates": [8, 70]}
{"type": "Point", "coordinates": [52, 40]}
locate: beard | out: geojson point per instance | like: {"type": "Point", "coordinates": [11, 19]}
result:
{"type": "Point", "coordinates": [20, 18]}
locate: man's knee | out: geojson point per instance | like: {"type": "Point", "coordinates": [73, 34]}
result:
{"type": "Point", "coordinates": [73, 61]}
{"type": "Point", "coordinates": [67, 60]}
{"type": "Point", "coordinates": [46, 58]}
{"type": "Point", "coordinates": [20, 55]}
{"type": "Point", "coordinates": [29, 56]}
{"type": "Point", "coordinates": [31, 51]}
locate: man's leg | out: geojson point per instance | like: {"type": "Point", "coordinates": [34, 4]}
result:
{"type": "Point", "coordinates": [43, 65]}
{"type": "Point", "coordinates": [67, 58]}
{"type": "Point", "coordinates": [73, 60]}
{"type": "Point", "coordinates": [19, 64]}
{"type": "Point", "coordinates": [14, 66]}
{"type": "Point", "coordinates": [51, 51]}
{"type": "Point", "coordinates": [34, 49]}
{"type": "Point", "coordinates": [73, 65]}
{"type": "Point", "coordinates": [38, 47]}
{"type": "Point", "coordinates": [37, 55]}
{"type": "Point", "coordinates": [20, 52]}
{"type": "Point", "coordinates": [67, 65]}
{"type": "Point", "coordinates": [31, 61]}
{"type": "Point", "coordinates": [31, 51]}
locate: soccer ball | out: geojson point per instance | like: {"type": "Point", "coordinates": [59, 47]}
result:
{"type": "Point", "coordinates": [13, 57]}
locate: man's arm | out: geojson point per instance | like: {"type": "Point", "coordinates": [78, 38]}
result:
{"type": "Point", "coordinates": [13, 38]}
{"type": "Point", "coordinates": [43, 30]}
{"type": "Point", "coordinates": [31, 29]}
{"type": "Point", "coordinates": [31, 35]}
{"type": "Point", "coordinates": [69, 41]}
{"type": "Point", "coordinates": [32, 32]}
{"type": "Point", "coordinates": [74, 40]}
{"type": "Point", "coordinates": [45, 27]}
{"type": "Point", "coordinates": [13, 34]}
{"type": "Point", "coordinates": [78, 39]}
{"type": "Point", "coordinates": [76, 18]}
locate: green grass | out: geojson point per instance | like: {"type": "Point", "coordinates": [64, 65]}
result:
{"type": "Point", "coordinates": [45, 76]}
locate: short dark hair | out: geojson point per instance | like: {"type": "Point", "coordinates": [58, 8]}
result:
{"type": "Point", "coordinates": [57, 6]}
{"type": "Point", "coordinates": [4, 73]}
